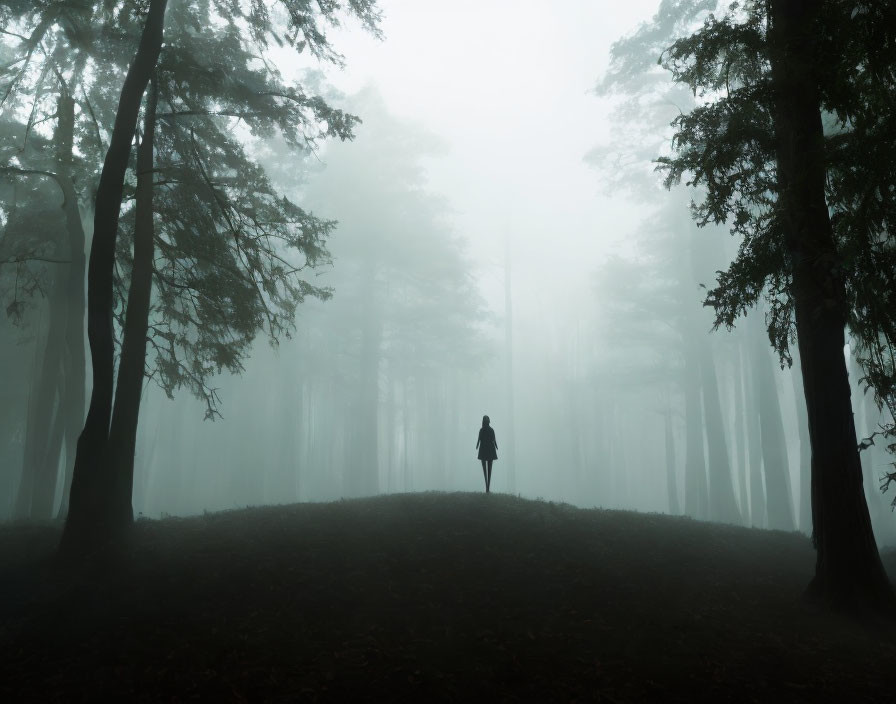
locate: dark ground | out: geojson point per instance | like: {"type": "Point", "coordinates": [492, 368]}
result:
{"type": "Point", "coordinates": [433, 597]}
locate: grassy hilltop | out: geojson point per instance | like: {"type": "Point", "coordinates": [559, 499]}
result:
{"type": "Point", "coordinates": [439, 597]}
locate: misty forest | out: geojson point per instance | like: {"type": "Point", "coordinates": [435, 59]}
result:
{"type": "Point", "coordinates": [454, 351]}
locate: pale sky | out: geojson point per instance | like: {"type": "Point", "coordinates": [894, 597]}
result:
{"type": "Point", "coordinates": [507, 85]}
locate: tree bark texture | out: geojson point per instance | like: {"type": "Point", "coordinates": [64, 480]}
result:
{"type": "Point", "coordinates": [848, 571]}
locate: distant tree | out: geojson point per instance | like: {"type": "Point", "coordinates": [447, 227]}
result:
{"type": "Point", "coordinates": [673, 256]}
{"type": "Point", "coordinates": [405, 308]}
{"type": "Point", "coordinates": [44, 82]}
{"type": "Point", "coordinates": [650, 310]}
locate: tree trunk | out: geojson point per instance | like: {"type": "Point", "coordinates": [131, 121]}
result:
{"type": "Point", "coordinates": [671, 483]}
{"type": "Point", "coordinates": [65, 331]}
{"type": "Point", "coordinates": [94, 492]}
{"type": "Point", "coordinates": [802, 419]}
{"type": "Point", "coordinates": [74, 361]}
{"type": "Point", "coordinates": [132, 365]}
{"type": "Point", "coordinates": [40, 413]}
{"type": "Point", "coordinates": [363, 472]}
{"type": "Point", "coordinates": [722, 504]}
{"type": "Point", "coordinates": [754, 441]}
{"type": "Point", "coordinates": [47, 479]}
{"type": "Point", "coordinates": [695, 498]}
{"type": "Point", "coordinates": [848, 570]}
{"type": "Point", "coordinates": [774, 445]}
{"type": "Point", "coordinates": [740, 433]}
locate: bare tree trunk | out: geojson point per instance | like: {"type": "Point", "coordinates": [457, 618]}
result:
{"type": "Point", "coordinates": [758, 513]}
{"type": "Point", "coordinates": [671, 483]}
{"type": "Point", "coordinates": [802, 419]}
{"type": "Point", "coordinates": [93, 505]}
{"type": "Point", "coordinates": [74, 362]}
{"type": "Point", "coordinates": [740, 434]}
{"type": "Point", "coordinates": [132, 366]}
{"type": "Point", "coordinates": [37, 489]}
{"type": "Point", "coordinates": [774, 445]}
{"type": "Point", "coordinates": [44, 496]}
{"type": "Point", "coordinates": [695, 492]}
{"type": "Point", "coordinates": [848, 570]}
{"type": "Point", "coordinates": [722, 504]}
{"type": "Point", "coordinates": [40, 412]}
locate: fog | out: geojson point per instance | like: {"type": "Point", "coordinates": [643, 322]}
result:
{"type": "Point", "coordinates": [430, 350]}
{"type": "Point", "coordinates": [503, 248]}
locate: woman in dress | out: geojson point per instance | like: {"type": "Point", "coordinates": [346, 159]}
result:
{"type": "Point", "coordinates": [488, 450]}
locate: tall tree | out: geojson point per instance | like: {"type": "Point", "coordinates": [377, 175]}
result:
{"type": "Point", "coordinates": [757, 145]}
{"type": "Point", "coordinates": [57, 413]}
{"type": "Point", "coordinates": [848, 567]}
{"type": "Point", "coordinates": [92, 517]}
{"type": "Point", "coordinates": [674, 249]}
{"type": "Point", "coordinates": [126, 406]}
{"type": "Point", "coordinates": [259, 223]}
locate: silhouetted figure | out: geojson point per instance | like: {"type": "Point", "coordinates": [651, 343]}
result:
{"type": "Point", "coordinates": [488, 451]}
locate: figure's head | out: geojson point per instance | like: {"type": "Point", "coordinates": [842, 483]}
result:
{"type": "Point", "coordinates": [485, 421]}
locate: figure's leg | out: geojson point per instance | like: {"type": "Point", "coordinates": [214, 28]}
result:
{"type": "Point", "coordinates": [484, 475]}
{"type": "Point", "coordinates": [488, 481]}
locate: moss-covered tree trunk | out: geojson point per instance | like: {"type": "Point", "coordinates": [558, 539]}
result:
{"type": "Point", "coordinates": [848, 570]}
{"type": "Point", "coordinates": [92, 500]}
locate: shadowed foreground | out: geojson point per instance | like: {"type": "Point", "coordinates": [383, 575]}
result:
{"type": "Point", "coordinates": [448, 597]}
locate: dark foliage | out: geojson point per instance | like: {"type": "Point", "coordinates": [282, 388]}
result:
{"type": "Point", "coordinates": [726, 145]}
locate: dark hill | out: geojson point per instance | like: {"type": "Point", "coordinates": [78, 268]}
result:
{"type": "Point", "coordinates": [432, 597]}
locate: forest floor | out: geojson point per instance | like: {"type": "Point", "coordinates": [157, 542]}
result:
{"type": "Point", "coordinates": [432, 597]}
